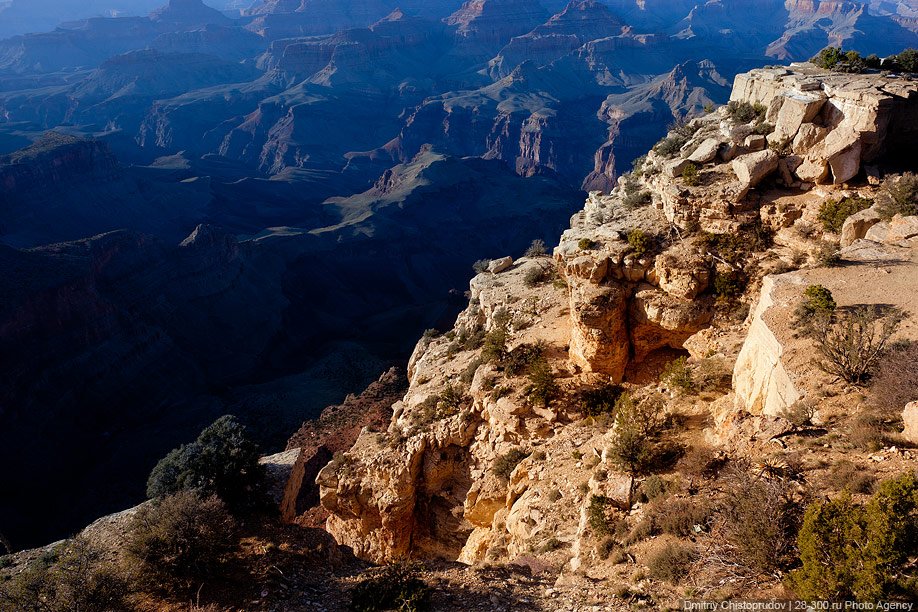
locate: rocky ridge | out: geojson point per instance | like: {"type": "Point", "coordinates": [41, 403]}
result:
{"type": "Point", "coordinates": [637, 280]}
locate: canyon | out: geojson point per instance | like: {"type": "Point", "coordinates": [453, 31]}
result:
{"type": "Point", "coordinates": [259, 211]}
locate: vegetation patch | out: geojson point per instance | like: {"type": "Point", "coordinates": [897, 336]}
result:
{"type": "Point", "coordinates": [861, 552]}
{"type": "Point", "coordinates": [395, 587]}
{"type": "Point", "coordinates": [506, 463]}
{"type": "Point", "coordinates": [223, 461]}
{"type": "Point", "coordinates": [832, 213]}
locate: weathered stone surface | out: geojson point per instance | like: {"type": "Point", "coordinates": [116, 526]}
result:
{"type": "Point", "coordinates": [902, 229]}
{"type": "Point", "coordinates": [740, 133]}
{"type": "Point", "coordinates": [750, 169]}
{"type": "Point", "coordinates": [807, 137]}
{"type": "Point", "coordinates": [675, 167]}
{"type": "Point", "coordinates": [761, 382]}
{"type": "Point", "coordinates": [682, 272]}
{"type": "Point", "coordinates": [659, 320]}
{"type": "Point", "coordinates": [813, 170]}
{"type": "Point", "coordinates": [845, 164]}
{"type": "Point", "coordinates": [797, 108]}
{"type": "Point", "coordinates": [499, 265]}
{"type": "Point", "coordinates": [910, 419]}
{"type": "Point", "coordinates": [599, 333]}
{"type": "Point", "coordinates": [857, 225]}
{"type": "Point", "coordinates": [284, 477]}
{"type": "Point", "coordinates": [706, 152]}
{"type": "Point", "coordinates": [756, 142]}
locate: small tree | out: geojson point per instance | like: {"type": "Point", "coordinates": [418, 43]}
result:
{"type": "Point", "coordinates": [850, 346]}
{"type": "Point", "coordinates": [634, 426]}
{"type": "Point", "coordinates": [223, 461]}
{"type": "Point", "coordinates": [542, 387]}
{"type": "Point", "coordinates": [849, 551]}
{"type": "Point", "coordinates": [690, 175]}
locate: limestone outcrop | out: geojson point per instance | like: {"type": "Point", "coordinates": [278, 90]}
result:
{"type": "Point", "coordinates": [479, 463]}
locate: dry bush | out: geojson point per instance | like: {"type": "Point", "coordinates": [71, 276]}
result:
{"type": "Point", "coordinates": [678, 517]}
{"type": "Point", "coordinates": [671, 561]}
{"type": "Point", "coordinates": [701, 461]}
{"type": "Point", "coordinates": [74, 576]}
{"type": "Point", "coordinates": [757, 525]}
{"type": "Point", "coordinates": [177, 542]}
{"type": "Point", "coordinates": [867, 431]}
{"type": "Point", "coordinates": [845, 475]}
{"type": "Point", "coordinates": [896, 380]}
{"type": "Point", "coordinates": [850, 345]}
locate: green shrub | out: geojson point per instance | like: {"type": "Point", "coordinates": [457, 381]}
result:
{"type": "Point", "coordinates": [653, 487]}
{"type": "Point", "coordinates": [638, 199]}
{"type": "Point", "coordinates": [176, 542]}
{"type": "Point", "coordinates": [522, 358]}
{"type": "Point", "coordinates": [542, 387]}
{"type": "Point", "coordinates": [850, 551]}
{"type": "Point", "coordinates": [744, 112]}
{"type": "Point", "coordinates": [832, 213]}
{"type": "Point", "coordinates": [639, 241]}
{"type": "Point", "coordinates": [835, 58]}
{"type": "Point", "coordinates": [395, 587]}
{"type": "Point", "coordinates": [601, 400]}
{"type": "Point", "coordinates": [906, 61]}
{"type": "Point", "coordinates": [597, 515]}
{"type": "Point", "coordinates": [481, 266]}
{"type": "Point", "coordinates": [223, 461]}
{"type": "Point", "coordinates": [495, 341]}
{"type": "Point", "coordinates": [632, 446]}
{"type": "Point", "coordinates": [678, 375]}
{"type": "Point", "coordinates": [690, 175]}
{"type": "Point", "coordinates": [585, 244]}
{"type": "Point", "coordinates": [899, 196]}
{"type": "Point", "coordinates": [671, 561]}
{"type": "Point", "coordinates": [729, 285]}
{"type": "Point", "coordinates": [506, 463]}
{"type": "Point", "coordinates": [818, 302]}
{"type": "Point", "coordinates": [671, 145]}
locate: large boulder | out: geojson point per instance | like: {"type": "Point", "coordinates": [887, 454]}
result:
{"type": "Point", "coordinates": [910, 419]}
{"type": "Point", "coordinates": [857, 225]}
{"type": "Point", "coordinates": [752, 168]}
{"type": "Point", "coordinates": [797, 109]}
{"type": "Point", "coordinates": [658, 319]}
{"type": "Point", "coordinates": [500, 265]}
{"type": "Point", "coordinates": [808, 136]}
{"type": "Point", "coordinates": [284, 477]}
{"type": "Point", "coordinates": [599, 331]}
{"type": "Point", "coordinates": [706, 152]}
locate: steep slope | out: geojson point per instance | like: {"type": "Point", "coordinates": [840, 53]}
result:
{"type": "Point", "coordinates": [514, 444]}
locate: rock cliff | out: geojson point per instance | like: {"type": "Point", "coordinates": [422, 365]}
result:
{"type": "Point", "coordinates": [479, 462]}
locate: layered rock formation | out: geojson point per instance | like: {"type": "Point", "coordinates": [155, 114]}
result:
{"type": "Point", "coordinates": [637, 288]}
